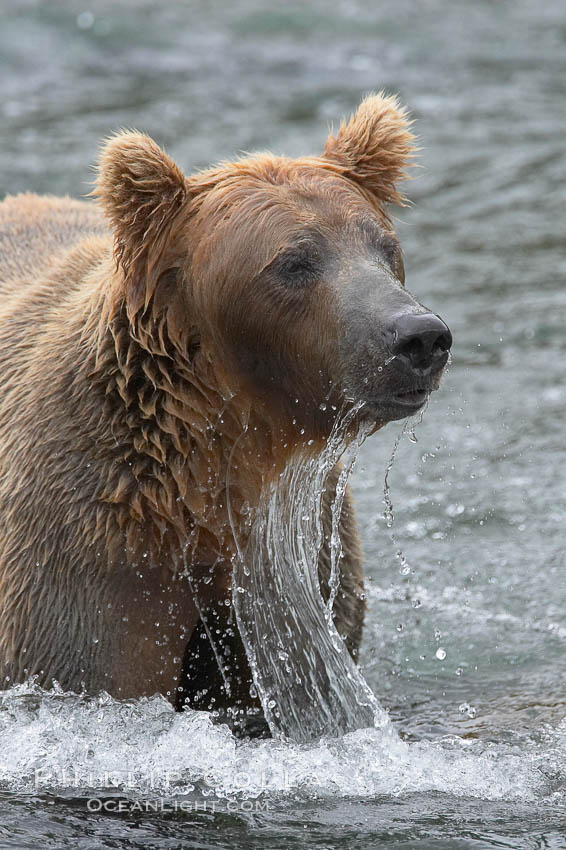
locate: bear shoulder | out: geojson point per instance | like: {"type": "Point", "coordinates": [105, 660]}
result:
{"type": "Point", "coordinates": [35, 230]}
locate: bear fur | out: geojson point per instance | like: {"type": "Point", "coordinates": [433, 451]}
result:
{"type": "Point", "coordinates": [139, 359]}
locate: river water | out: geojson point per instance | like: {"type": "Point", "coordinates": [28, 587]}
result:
{"type": "Point", "coordinates": [466, 634]}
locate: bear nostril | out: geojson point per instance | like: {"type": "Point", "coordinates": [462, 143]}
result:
{"type": "Point", "coordinates": [421, 341]}
{"type": "Point", "coordinates": [412, 350]}
{"type": "Point", "coordinates": [441, 345]}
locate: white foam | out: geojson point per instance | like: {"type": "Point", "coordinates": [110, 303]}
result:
{"type": "Point", "coordinates": [73, 744]}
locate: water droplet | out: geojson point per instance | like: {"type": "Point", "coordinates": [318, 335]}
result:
{"type": "Point", "coordinates": [440, 653]}
{"type": "Point", "coordinates": [85, 20]}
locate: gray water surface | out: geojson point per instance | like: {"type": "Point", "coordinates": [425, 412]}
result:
{"type": "Point", "coordinates": [466, 632]}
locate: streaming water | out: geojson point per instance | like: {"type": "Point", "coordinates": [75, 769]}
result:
{"type": "Point", "coordinates": [408, 428]}
{"type": "Point", "coordinates": [308, 684]}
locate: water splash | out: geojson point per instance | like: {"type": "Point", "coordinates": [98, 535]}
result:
{"type": "Point", "coordinates": [307, 682]}
{"type": "Point", "coordinates": [72, 744]}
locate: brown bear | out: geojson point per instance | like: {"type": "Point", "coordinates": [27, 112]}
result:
{"type": "Point", "coordinates": [190, 325]}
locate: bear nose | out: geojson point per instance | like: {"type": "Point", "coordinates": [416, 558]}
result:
{"type": "Point", "coordinates": [420, 341]}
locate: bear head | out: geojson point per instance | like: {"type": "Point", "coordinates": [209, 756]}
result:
{"type": "Point", "coordinates": [284, 276]}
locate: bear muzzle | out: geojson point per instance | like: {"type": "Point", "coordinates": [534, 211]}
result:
{"type": "Point", "coordinates": [396, 375]}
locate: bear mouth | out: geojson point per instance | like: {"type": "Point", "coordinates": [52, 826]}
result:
{"type": "Point", "coordinates": [412, 398]}
{"type": "Point", "coordinates": [398, 405]}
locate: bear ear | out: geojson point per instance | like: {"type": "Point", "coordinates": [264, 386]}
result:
{"type": "Point", "coordinates": [143, 192]}
{"type": "Point", "coordinates": [374, 147]}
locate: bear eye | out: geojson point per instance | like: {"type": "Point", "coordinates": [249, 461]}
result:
{"type": "Point", "coordinates": [399, 267]}
{"type": "Point", "coordinates": [388, 248]}
{"type": "Point", "coordinates": [391, 251]}
{"type": "Point", "coordinates": [297, 268]}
